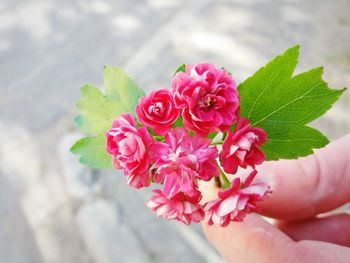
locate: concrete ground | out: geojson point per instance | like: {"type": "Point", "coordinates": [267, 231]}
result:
{"type": "Point", "coordinates": [54, 210]}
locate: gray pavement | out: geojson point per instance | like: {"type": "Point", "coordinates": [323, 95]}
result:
{"type": "Point", "coordinates": [52, 209]}
{"type": "Point", "coordinates": [14, 226]}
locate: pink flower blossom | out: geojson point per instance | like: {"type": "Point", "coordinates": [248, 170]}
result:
{"type": "Point", "coordinates": [208, 97]}
{"type": "Point", "coordinates": [184, 159]}
{"type": "Point", "coordinates": [241, 148]}
{"type": "Point", "coordinates": [157, 110]}
{"type": "Point", "coordinates": [180, 207]}
{"type": "Point", "coordinates": [177, 178]}
{"type": "Point", "coordinates": [235, 202]}
{"type": "Point", "coordinates": [128, 146]}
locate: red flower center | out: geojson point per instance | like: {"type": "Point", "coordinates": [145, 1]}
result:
{"type": "Point", "coordinates": [157, 110]}
{"type": "Point", "coordinates": [206, 102]}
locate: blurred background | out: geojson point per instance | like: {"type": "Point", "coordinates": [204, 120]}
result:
{"type": "Point", "coordinates": [54, 210]}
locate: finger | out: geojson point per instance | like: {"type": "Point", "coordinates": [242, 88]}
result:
{"type": "Point", "coordinates": [334, 229]}
{"type": "Point", "coordinates": [254, 240]}
{"type": "Point", "coordinates": [311, 185]}
{"type": "Point", "coordinates": [320, 252]}
{"type": "Point", "coordinates": [250, 240]}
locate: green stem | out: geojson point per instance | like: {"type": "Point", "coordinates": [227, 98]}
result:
{"type": "Point", "coordinates": [224, 136]}
{"type": "Point", "coordinates": [159, 138]}
{"type": "Point", "coordinates": [225, 183]}
{"type": "Point", "coordinates": [216, 143]}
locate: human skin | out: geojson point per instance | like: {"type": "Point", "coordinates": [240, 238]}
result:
{"type": "Point", "coordinates": [302, 190]}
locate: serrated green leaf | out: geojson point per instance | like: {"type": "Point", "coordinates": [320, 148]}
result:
{"type": "Point", "coordinates": [121, 89]}
{"type": "Point", "coordinates": [92, 151]}
{"type": "Point", "coordinates": [98, 110]}
{"type": "Point", "coordinates": [282, 105]}
{"type": "Point", "coordinates": [299, 139]}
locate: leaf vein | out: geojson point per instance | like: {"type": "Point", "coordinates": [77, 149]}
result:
{"type": "Point", "coordinates": [285, 105]}
{"type": "Point", "coordinates": [262, 92]}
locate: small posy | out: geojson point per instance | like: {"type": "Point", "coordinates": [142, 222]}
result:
{"type": "Point", "coordinates": [204, 128]}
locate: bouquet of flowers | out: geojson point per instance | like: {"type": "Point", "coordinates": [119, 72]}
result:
{"type": "Point", "coordinates": [204, 128]}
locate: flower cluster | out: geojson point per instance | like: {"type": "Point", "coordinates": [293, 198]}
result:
{"type": "Point", "coordinates": [172, 145]}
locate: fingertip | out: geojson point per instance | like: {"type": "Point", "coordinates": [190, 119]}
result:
{"type": "Point", "coordinates": [289, 181]}
{"type": "Point", "coordinates": [310, 185]}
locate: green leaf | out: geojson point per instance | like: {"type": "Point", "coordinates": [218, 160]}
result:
{"type": "Point", "coordinates": [282, 105]}
{"type": "Point", "coordinates": [181, 68]}
{"type": "Point", "coordinates": [212, 135]}
{"type": "Point", "coordinates": [92, 151]}
{"type": "Point", "coordinates": [121, 89]}
{"type": "Point", "coordinates": [300, 139]}
{"type": "Point", "coordinates": [178, 123]}
{"type": "Point", "coordinates": [97, 112]}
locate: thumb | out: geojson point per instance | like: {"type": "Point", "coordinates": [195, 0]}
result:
{"type": "Point", "coordinates": [252, 239]}
{"type": "Point", "coordinates": [246, 241]}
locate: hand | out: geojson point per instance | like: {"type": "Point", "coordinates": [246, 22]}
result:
{"type": "Point", "coordinates": [302, 189]}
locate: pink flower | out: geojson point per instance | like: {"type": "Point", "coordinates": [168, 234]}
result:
{"type": "Point", "coordinates": [234, 203]}
{"type": "Point", "coordinates": [241, 148]}
{"type": "Point", "coordinates": [157, 110]}
{"type": "Point", "coordinates": [180, 207]}
{"type": "Point", "coordinates": [183, 160]}
{"type": "Point", "coordinates": [128, 146]}
{"type": "Point", "coordinates": [177, 178]}
{"type": "Point", "coordinates": [208, 97]}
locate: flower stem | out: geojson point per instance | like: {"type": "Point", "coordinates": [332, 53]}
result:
{"type": "Point", "coordinates": [224, 136]}
{"type": "Point", "coordinates": [159, 138]}
{"type": "Point", "coordinates": [225, 183]}
{"type": "Point", "coordinates": [216, 143]}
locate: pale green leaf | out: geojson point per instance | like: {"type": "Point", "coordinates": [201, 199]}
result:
{"type": "Point", "coordinates": [92, 151]}
{"type": "Point", "coordinates": [98, 110]}
{"type": "Point", "coordinates": [121, 89]}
